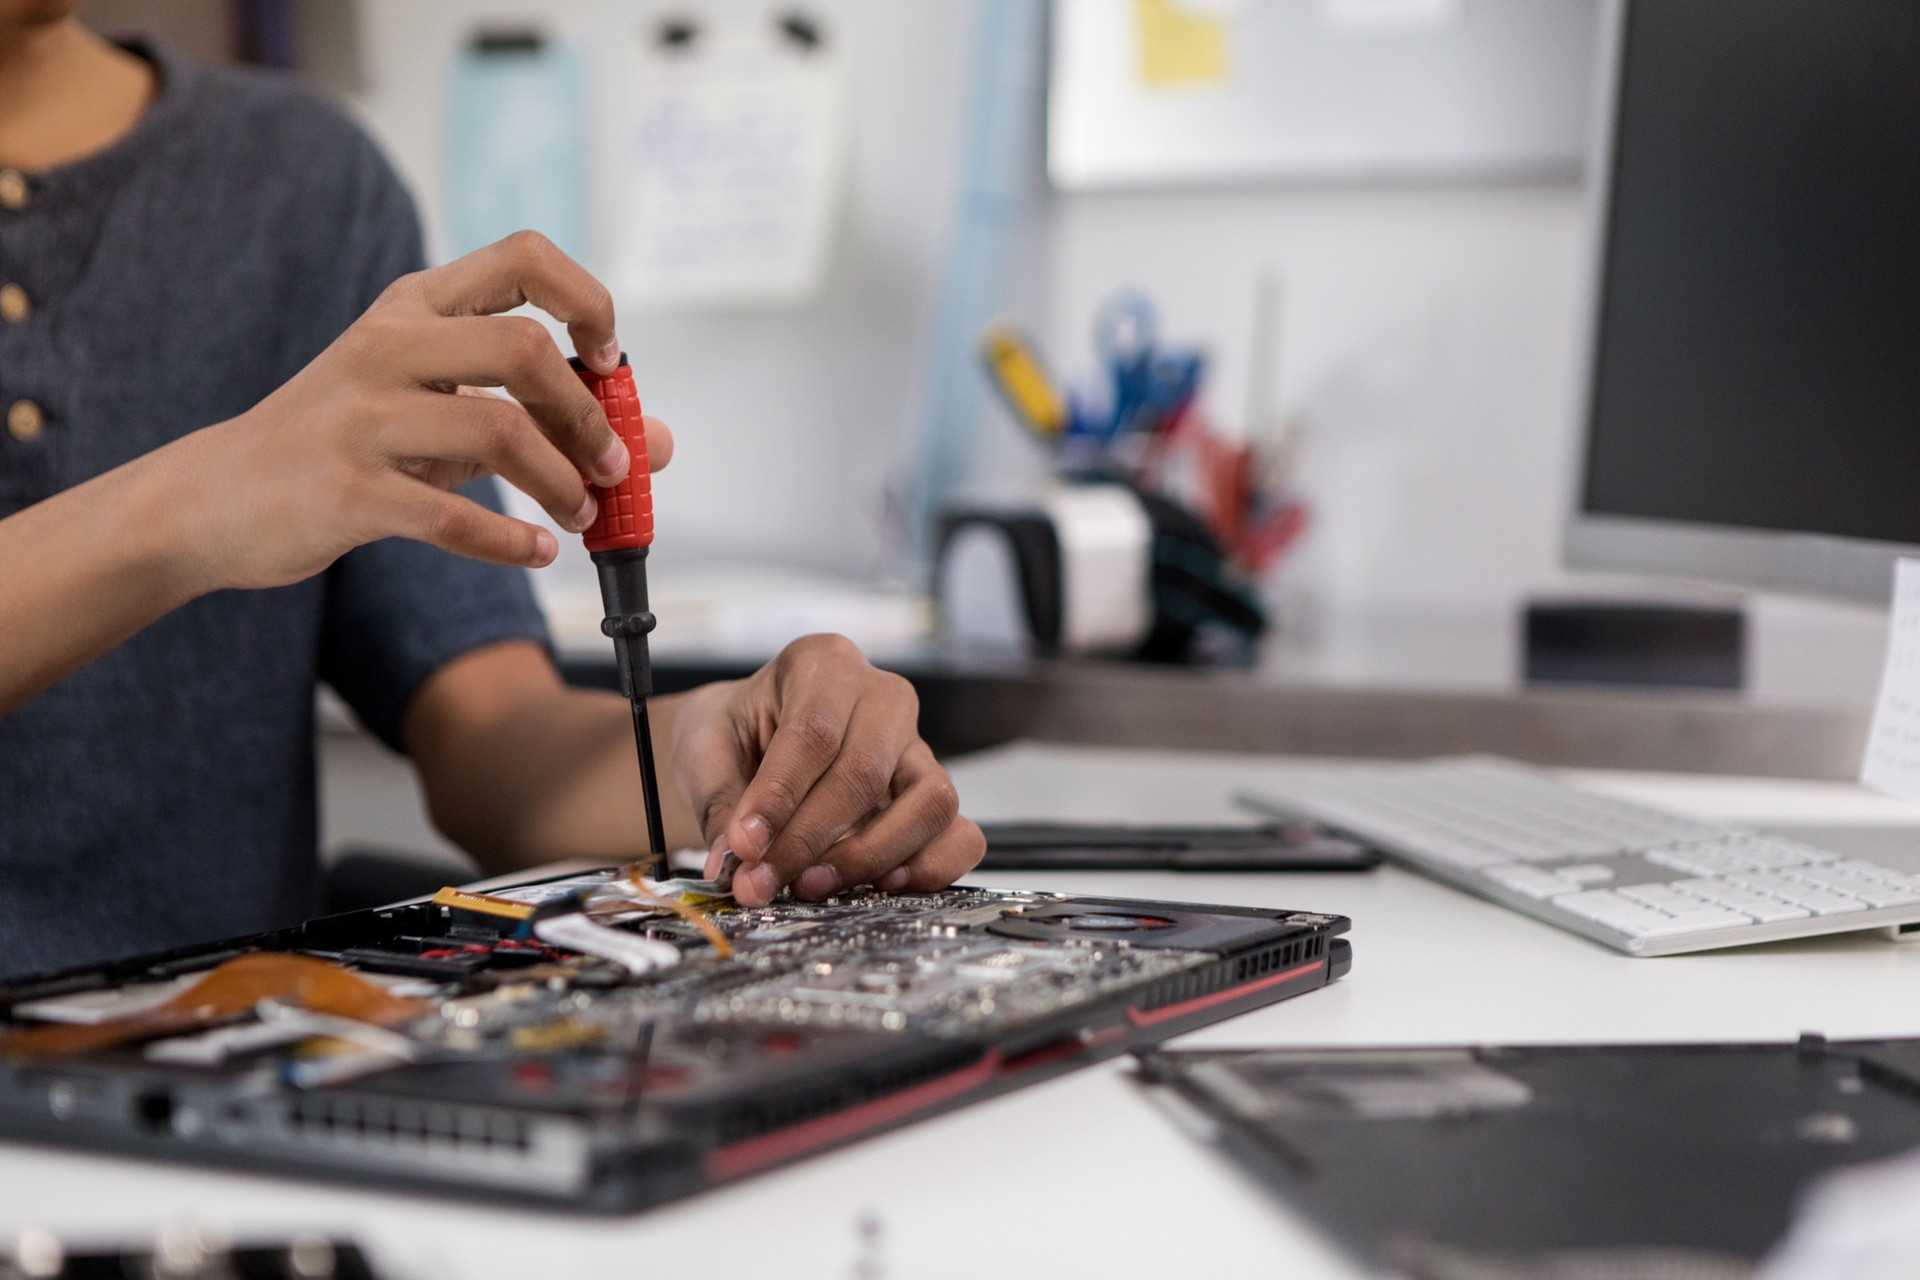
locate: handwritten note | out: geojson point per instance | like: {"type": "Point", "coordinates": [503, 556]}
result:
{"type": "Point", "coordinates": [1892, 762]}
{"type": "Point", "coordinates": [731, 168]}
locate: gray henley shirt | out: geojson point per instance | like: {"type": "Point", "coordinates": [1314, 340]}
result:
{"type": "Point", "coordinates": [165, 794]}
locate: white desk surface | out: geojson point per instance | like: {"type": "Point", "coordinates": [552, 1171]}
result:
{"type": "Point", "coordinates": [1081, 1176]}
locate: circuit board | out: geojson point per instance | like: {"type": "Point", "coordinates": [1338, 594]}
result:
{"type": "Point", "coordinates": [624, 1054]}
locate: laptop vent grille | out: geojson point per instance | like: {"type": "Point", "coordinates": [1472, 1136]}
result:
{"type": "Point", "coordinates": [1273, 959]}
{"type": "Point", "coordinates": [748, 1121]}
{"type": "Point", "coordinates": [385, 1122]}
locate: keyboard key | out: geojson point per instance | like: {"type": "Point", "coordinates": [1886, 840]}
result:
{"type": "Point", "coordinates": [1609, 908]}
{"type": "Point", "coordinates": [1825, 904]}
{"type": "Point", "coordinates": [1741, 899]}
{"type": "Point", "coordinates": [1663, 897]}
{"type": "Point", "coordinates": [1679, 860]}
{"type": "Point", "coordinates": [1773, 911]}
{"type": "Point", "coordinates": [1810, 854]}
{"type": "Point", "coordinates": [1586, 873]}
{"type": "Point", "coordinates": [1702, 860]}
{"type": "Point", "coordinates": [1870, 871]}
{"type": "Point", "coordinates": [1831, 878]}
{"type": "Point", "coordinates": [1727, 895]}
{"type": "Point", "coordinates": [1821, 902]}
{"type": "Point", "coordinates": [1692, 922]}
{"type": "Point", "coordinates": [1828, 904]}
{"type": "Point", "coordinates": [1771, 883]}
{"type": "Point", "coordinates": [1884, 895]}
{"type": "Point", "coordinates": [1849, 883]}
{"type": "Point", "coordinates": [1768, 854]}
{"type": "Point", "coordinates": [1468, 855]}
{"type": "Point", "coordinates": [1531, 881]}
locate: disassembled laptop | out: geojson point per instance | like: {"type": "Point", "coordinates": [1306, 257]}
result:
{"type": "Point", "coordinates": [608, 1041]}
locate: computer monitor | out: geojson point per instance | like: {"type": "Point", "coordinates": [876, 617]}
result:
{"type": "Point", "coordinates": [1753, 397]}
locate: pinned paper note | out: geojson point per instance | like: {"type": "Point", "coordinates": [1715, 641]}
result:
{"type": "Point", "coordinates": [1892, 762]}
{"type": "Point", "coordinates": [516, 125]}
{"type": "Point", "coordinates": [731, 161]}
{"type": "Point", "coordinates": [1181, 44]}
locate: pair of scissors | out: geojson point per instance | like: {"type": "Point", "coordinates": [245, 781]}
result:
{"type": "Point", "coordinates": [1152, 385]}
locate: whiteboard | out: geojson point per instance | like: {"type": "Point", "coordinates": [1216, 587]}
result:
{"type": "Point", "coordinates": [1321, 91]}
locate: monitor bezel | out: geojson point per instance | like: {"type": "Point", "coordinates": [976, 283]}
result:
{"type": "Point", "coordinates": [1830, 565]}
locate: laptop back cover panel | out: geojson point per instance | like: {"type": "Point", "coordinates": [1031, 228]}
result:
{"type": "Point", "coordinates": [1517, 1161]}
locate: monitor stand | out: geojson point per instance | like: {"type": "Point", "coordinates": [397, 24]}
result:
{"type": "Point", "coordinates": [1629, 642]}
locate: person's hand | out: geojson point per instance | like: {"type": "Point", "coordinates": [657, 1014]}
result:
{"type": "Point", "coordinates": [813, 772]}
{"type": "Point", "coordinates": [366, 442]}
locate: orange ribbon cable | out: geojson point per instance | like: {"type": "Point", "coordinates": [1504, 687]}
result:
{"type": "Point", "coordinates": [685, 910]}
{"type": "Point", "coordinates": [227, 992]}
{"type": "Point", "coordinates": [484, 903]}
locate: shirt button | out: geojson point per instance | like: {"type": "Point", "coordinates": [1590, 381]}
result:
{"type": "Point", "coordinates": [15, 306]}
{"type": "Point", "coordinates": [25, 421]}
{"type": "Point", "coordinates": [13, 189]}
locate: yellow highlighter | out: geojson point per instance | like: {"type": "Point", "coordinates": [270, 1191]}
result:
{"type": "Point", "coordinates": [1023, 381]}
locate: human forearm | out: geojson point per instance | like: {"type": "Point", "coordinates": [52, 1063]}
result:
{"type": "Point", "coordinates": [811, 770]}
{"type": "Point", "coordinates": [89, 567]}
{"type": "Point", "coordinates": [519, 769]}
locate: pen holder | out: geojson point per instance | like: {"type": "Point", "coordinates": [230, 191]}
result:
{"type": "Point", "coordinates": [1205, 613]}
{"type": "Point", "coordinates": [1090, 567]}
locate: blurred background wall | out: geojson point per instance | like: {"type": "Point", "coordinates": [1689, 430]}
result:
{"type": "Point", "coordinates": [1429, 333]}
{"type": "Point", "coordinates": [1429, 338]}
{"type": "Point", "coordinates": [1427, 345]}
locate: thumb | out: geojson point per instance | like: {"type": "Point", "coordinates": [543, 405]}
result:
{"type": "Point", "coordinates": [712, 776]}
{"type": "Point", "coordinates": [659, 443]}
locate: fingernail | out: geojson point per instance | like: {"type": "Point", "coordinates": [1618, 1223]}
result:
{"type": "Point", "coordinates": [760, 879]}
{"type": "Point", "coordinates": [544, 548]}
{"type": "Point", "coordinates": [759, 835]}
{"type": "Point", "coordinates": [612, 465]}
{"type": "Point", "coordinates": [609, 356]}
{"type": "Point", "coordinates": [583, 518]}
{"type": "Point", "coordinates": [817, 881]}
{"type": "Point", "coordinates": [894, 881]}
{"type": "Point", "coordinates": [715, 856]}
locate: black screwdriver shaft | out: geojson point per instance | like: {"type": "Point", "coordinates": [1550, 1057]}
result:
{"type": "Point", "coordinates": [650, 789]}
{"type": "Point", "coordinates": [623, 592]}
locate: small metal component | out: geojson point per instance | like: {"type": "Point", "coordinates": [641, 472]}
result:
{"type": "Point", "coordinates": [38, 1254]}
{"type": "Point", "coordinates": [312, 1258]}
{"type": "Point", "coordinates": [186, 1251]}
{"type": "Point", "coordinates": [1830, 1128]}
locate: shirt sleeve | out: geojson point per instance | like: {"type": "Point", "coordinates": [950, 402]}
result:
{"type": "Point", "coordinates": [398, 610]}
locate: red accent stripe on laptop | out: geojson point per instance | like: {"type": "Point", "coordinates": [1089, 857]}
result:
{"type": "Point", "coordinates": [1162, 1014]}
{"type": "Point", "coordinates": [751, 1154]}
{"type": "Point", "coordinates": [1059, 1050]}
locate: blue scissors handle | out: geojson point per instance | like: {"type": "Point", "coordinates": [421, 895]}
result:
{"type": "Point", "coordinates": [1126, 329]}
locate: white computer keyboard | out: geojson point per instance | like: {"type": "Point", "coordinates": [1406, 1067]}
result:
{"type": "Point", "coordinates": [1637, 878]}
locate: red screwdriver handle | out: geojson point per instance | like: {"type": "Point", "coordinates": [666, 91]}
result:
{"type": "Point", "coordinates": [626, 510]}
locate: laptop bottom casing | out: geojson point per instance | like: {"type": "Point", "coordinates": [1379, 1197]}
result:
{"type": "Point", "coordinates": [744, 1069]}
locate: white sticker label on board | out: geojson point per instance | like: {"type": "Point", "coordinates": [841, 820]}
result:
{"type": "Point", "coordinates": [1892, 762]}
